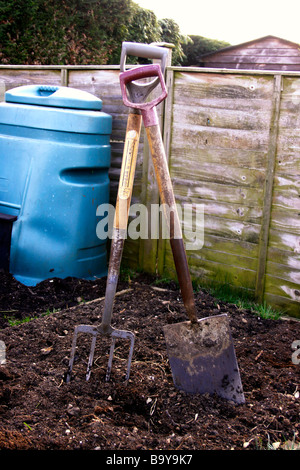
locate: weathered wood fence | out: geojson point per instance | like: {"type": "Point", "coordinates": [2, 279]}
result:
{"type": "Point", "coordinates": [232, 139]}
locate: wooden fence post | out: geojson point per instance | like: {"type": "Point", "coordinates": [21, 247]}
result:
{"type": "Point", "coordinates": [268, 190]}
{"type": "Point", "coordinates": [64, 76]}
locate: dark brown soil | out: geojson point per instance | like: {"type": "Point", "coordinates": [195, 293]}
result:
{"type": "Point", "coordinates": [40, 411]}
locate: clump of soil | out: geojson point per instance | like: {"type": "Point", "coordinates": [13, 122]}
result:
{"type": "Point", "coordinates": [39, 410]}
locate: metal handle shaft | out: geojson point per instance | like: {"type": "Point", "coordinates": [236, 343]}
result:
{"type": "Point", "coordinates": [121, 216]}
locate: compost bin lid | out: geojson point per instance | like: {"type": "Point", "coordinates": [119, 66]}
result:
{"type": "Point", "coordinates": [56, 96]}
{"type": "Point", "coordinates": [54, 108]}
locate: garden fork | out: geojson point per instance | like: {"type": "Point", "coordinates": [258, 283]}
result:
{"type": "Point", "coordinates": [138, 92]}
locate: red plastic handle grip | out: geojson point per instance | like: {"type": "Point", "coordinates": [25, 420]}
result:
{"type": "Point", "coordinates": [146, 71]}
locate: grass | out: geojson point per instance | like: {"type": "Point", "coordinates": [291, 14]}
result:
{"type": "Point", "coordinates": [15, 322]}
{"type": "Point", "coordinates": [243, 301]}
{"type": "Point", "coordinates": [226, 293]}
{"type": "Point", "coordinates": [278, 445]}
{"type": "Point", "coordinates": [128, 274]}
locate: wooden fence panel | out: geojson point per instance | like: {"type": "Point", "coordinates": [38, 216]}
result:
{"type": "Point", "coordinates": [283, 263]}
{"type": "Point", "coordinates": [13, 76]}
{"type": "Point", "coordinates": [235, 148]}
{"type": "Point", "coordinates": [233, 145]}
{"type": "Point", "coordinates": [218, 158]}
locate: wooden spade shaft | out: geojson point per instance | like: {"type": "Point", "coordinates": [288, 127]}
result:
{"type": "Point", "coordinates": [150, 120]}
{"type": "Point", "coordinates": [169, 204]}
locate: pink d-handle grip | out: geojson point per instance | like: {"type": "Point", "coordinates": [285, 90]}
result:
{"type": "Point", "coordinates": [148, 109]}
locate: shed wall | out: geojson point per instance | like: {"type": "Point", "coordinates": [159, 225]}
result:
{"type": "Point", "coordinates": [268, 53]}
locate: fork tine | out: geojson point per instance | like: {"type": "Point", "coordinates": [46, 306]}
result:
{"type": "Point", "coordinates": [122, 334]}
{"type": "Point", "coordinates": [91, 358]}
{"type": "Point", "coordinates": [111, 353]}
{"type": "Point", "coordinates": [72, 356]}
{"type": "Point", "coordinates": [81, 329]}
{"type": "Point", "coordinates": [131, 337]}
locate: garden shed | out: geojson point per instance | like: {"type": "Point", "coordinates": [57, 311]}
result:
{"type": "Point", "coordinates": [266, 53]}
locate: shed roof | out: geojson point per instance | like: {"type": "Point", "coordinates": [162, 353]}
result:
{"type": "Point", "coordinates": [266, 53]}
{"type": "Point", "coordinates": [248, 43]}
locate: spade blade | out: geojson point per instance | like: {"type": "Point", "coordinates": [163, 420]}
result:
{"type": "Point", "coordinates": [202, 358]}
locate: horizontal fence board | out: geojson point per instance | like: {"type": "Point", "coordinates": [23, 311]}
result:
{"type": "Point", "coordinates": [286, 220]}
{"type": "Point", "coordinates": [232, 229]}
{"type": "Point", "coordinates": [284, 272]}
{"type": "Point", "coordinates": [238, 89]}
{"type": "Point", "coordinates": [283, 257]}
{"type": "Point", "coordinates": [239, 158]}
{"type": "Point", "coordinates": [245, 118]}
{"type": "Point", "coordinates": [257, 59]}
{"type": "Point", "coordinates": [283, 288]}
{"type": "Point", "coordinates": [217, 271]}
{"type": "Point", "coordinates": [288, 165]}
{"type": "Point", "coordinates": [231, 247]}
{"type": "Point", "coordinates": [287, 182]}
{"type": "Point", "coordinates": [246, 66]}
{"type": "Point", "coordinates": [218, 173]}
{"type": "Point", "coordinates": [281, 240]}
{"type": "Point", "coordinates": [225, 210]}
{"type": "Point", "coordinates": [197, 191]}
{"type": "Point", "coordinates": [201, 136]}
{"type": "Point", "coordinates": [12, 78]}
{"type": "Point", "coordinates": [232, 260]}
{"type": "Point", "coordinates": [283, 305]}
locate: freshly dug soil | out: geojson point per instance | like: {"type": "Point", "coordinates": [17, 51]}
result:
{"type": "Point", "coordinates": [40, 411]}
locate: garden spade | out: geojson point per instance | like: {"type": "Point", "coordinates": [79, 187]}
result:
{"type": "Point", "coordinates": [138, 92]}
{"type": "Point", "coordinates": [200, 351]}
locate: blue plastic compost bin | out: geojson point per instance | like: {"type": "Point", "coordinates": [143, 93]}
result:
{"type": "Point", "coordinates": [54, 160]}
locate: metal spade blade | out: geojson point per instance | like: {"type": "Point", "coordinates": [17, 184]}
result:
{"type": "Point", "coordinates": [202, 358]}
